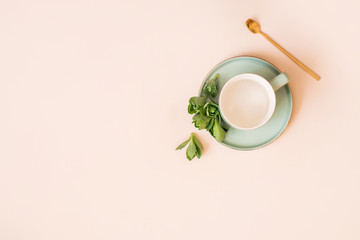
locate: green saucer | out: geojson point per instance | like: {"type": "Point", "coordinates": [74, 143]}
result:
{"type": "Point", "coordinates": [262, 136]}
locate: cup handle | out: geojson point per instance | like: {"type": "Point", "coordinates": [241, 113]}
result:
{"type": "Point", "coordinates": [279, 81]}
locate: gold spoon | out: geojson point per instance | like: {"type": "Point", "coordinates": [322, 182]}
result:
{"type": "Point", "coordinates": [255, 28]}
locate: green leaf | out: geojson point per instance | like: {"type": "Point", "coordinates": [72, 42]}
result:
{"type": "Point", "coordinates": [195, 103]}
{"type": "Point", "coordinates": [211, 124]}
{"type": "Point", "coordinates": [191, 109]}
{"type": "Point", "coordinates": [194, 148]}
{"type": "Point", "coordinates": [218, 132]}
{"type": "Point", "coordinates": [181, 146]}
{"type": "Point", "coordinates": [202, 110]}
{"type": "Point", "coordinates": [210, 87]}
{"type": "Point", "coordinates": [200, 121]}
{"type": "Point", "coordinates": [219, 117]}
{"type": "Point", "coordinates": [191, 150]}
{"type": "Point", "coordinates": [212, 109]}
{"type": "Point", "coordinates": [199, 101]}
{"type": "Point", "coordinates": [198, 145]}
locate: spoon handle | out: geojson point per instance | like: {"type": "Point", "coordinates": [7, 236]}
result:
{"type": "Point", "coordinates": [305, 68]}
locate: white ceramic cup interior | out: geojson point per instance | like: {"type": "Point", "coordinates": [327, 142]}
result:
{"type": "Point", "coordinates": [247, 101]}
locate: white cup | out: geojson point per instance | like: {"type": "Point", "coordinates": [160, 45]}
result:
{"type": "Point", "coordinates": [247, 101]}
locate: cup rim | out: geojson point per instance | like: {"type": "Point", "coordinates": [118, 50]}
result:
{"type": "Point", "coordinates": [269, 89]}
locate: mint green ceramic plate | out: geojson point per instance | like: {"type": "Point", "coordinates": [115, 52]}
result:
{"type": "Point", "coordinates": [257, 138]}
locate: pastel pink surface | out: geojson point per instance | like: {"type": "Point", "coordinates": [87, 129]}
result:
{"type": "Point", "coordinates": [93, 98]}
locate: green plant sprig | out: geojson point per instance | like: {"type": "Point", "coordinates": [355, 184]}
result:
{"type": "Point", "coordinates": [206, 116]}
{"type": "Point", "coordinates": [194, 148]}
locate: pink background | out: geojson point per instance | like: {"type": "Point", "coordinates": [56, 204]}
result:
{"type": "Point", "coordinates": [93, 98]}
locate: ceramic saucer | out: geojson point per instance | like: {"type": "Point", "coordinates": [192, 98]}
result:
{"type": "Point", "coordinates": [262, 136]}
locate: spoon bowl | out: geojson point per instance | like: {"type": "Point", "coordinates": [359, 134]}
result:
{"type": "Point", "coordinates": [253, 26]}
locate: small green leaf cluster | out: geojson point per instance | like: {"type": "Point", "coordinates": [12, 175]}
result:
{"type": "Point", "coordinates": [210, 88]}
{"type": "Point", "coordinates": [194, 148]}
{"type": "Point", "coordinates": [206, 113]}
{"type": "Point", "coordinates": [206, 116]}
